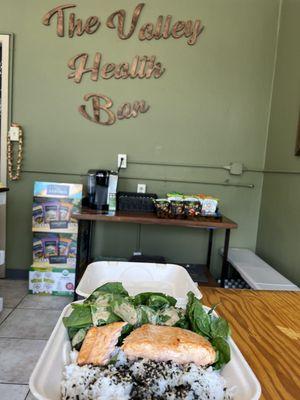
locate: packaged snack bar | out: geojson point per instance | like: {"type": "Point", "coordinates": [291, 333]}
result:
{"type": "Point", "coordinates": [50, 247]}
{"type": "Point", "coordinates": [65, 210]}
{"type": "Point", "coordinates": [37, 214]}
{"type": "Point", "coordinates": [209, 206]}
{"type": "Point", "coordinates": [51, 211]}
{"type": "Point", "coordinates": [36, 282]}
{"type": "Point", "coordinates": [177, 208]}
{"type": "Point", "coordinates": [192, 207]}
{"type": "Point", "coordinates": [73, 249]}
{"type": "Point", "coordinates": [49, 282]}
{"type": "Point", "coordinates": [162, 207]}
{"type": "Point", "coordinates": [64, 246]}
{"type": "Point", "coordinates": [38, 252]}
{"type": "Point", "coordinates": [175, 195]}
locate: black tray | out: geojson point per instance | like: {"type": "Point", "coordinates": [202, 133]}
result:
{"type": "Point", "coordinates": [136, 202]}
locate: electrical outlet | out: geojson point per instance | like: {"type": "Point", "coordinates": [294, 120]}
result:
{"type": "Point", "coordinates": [122, 160]}
{"type": "Point", "coordinates": [141, 188]}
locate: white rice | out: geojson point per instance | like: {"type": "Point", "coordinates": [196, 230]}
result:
{"type": "Point", "coordinates": [142, 379]}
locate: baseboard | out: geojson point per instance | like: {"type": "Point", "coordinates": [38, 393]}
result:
{"type": "Point", "coordinates": [16, 274]}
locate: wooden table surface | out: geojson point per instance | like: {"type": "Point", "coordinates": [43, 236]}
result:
{"type": "Point", "coordinates": [266, 327]}
{"type": "Point", "coordinates": [152, 219]}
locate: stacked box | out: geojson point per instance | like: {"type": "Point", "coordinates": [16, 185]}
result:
{"type": "Point", "coordinates": [54, 238]}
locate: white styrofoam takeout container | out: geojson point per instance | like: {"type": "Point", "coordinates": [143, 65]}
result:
{"type": "Point", "coordinates": [45, 381]}
{"type": "Point", "coordinates": [170, 279]}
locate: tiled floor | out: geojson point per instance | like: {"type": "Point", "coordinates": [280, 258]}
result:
{"type": "Point", "coordinates": [26, 323]}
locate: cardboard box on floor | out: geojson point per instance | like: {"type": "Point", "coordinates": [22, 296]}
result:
{"type": "Point", "coordinates": [54, 238]}
{"type": "Point", "coordinates": [51, 281]}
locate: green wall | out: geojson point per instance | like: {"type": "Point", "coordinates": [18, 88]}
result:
{"type": "Point", "coordinates": [210, 107]}
{"type": "Point", "coordinates": [279, 228]}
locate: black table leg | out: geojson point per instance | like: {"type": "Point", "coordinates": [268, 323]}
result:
{"type": "Point", "coordinates": [90, 233]}
{"type": "Point", "coordinates": [209, 248]}
{"type": "Point", "coordinates": [83, 250]}
{"type": "Point", "coordinates": [224, 273]}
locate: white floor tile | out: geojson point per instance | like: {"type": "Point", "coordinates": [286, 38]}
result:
{"type": "Point", "coordinates": [45, 302]}
{"type": "Point", "coordinates": [4, 313]}
{"type": "Point", "coordinates": [29, 324]}
{"type": "Point", "coordinates": [13, 392]}
{"type": "Point", "coordinates": [12, 291]}
{"type": "Point", "coordinates": [30, 396]}
{"type": "Point", "coordinates": [18, 358]}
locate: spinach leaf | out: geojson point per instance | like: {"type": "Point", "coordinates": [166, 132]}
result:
{"type": "Point", "coordinates": [154, 300]}
{"type": "Point", "coordinates": [219, 328]}
{"type": "Point", "coordinates": [110, 287]}
{"type": "Point", "coordinates": [157, 301]}
{"type": "Point", "coordinates": [223, 352]}
{"type": "Point", "coordinates": [103, 315]}
{"type": "Point", "coordinates": [163, 319]}
{"type": "Point", "coordinates": [114, 287]}
{"type": "Point", "coordinates": [126, 330]}
{"type": "Point", "coordinates": [146, 315]}
{"type": "Point", "coordinates": [79, 338]}
{"type": "Point", "coordinates": [198, 318]}
{"type": "Point", "coordinates": [102, 300]}
{"type": "Point", "coordinates": [79, 318]}
{"type": "Point", "coordinates": [72, 332]}
{"type": "Point", "coordinates": [170, 316]}
{"type": "Point", "coordinates": [126, 311]}
{"type": "Point", "coordinates": [183, 323]}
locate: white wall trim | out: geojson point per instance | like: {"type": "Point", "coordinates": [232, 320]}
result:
{"type": "Point", "coordinates": [5, 44]}
{"type": "Point", "coordinates": [5, 41]}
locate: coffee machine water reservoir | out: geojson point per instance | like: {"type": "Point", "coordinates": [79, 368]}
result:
{"type": "Point", "coordinates": [102, 188]}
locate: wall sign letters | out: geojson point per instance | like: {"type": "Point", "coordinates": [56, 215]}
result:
{"type": "Point", "coordinates": [97, 68]}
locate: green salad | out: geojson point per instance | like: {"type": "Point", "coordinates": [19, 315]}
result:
{"type": "Point", "coordinates": [112, 303]}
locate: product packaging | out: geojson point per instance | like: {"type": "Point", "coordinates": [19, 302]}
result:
{"type": "Point", "coordinates": [192, 207]}
{"type": "Point", "coordinates": [178, 205]}
{"type": "Point", "coordinates": [54, 249]}
{"type": "Point", "coordinates": [209, 205]}
{"type": "Point", "coordinates": [162, 207]}
{"type": "Point", "coordinates": [54, 238]}
{"type": "Point", "coordinates": [53, 206]}
{"type": "Point", "coordinates": [51, 281]}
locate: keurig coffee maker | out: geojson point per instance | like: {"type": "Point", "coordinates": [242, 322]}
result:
{"type": "Point", "coordinates": [102, 188]}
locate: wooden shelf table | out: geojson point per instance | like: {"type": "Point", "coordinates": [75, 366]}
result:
{"type": "Point", "coordinates": [87, 217]}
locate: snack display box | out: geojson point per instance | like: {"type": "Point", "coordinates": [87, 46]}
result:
{"type": "Point", "coordinates": [136, 277]}
{"type": "Point", "coordinates": [45, 381]}
{"type": "Point", "coordinates": [53, 206]}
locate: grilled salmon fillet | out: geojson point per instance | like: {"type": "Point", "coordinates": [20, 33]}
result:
{"type": "Point", "coordinates": [99, 344]}
{"type": "Point", "coordinates": [164, 343]}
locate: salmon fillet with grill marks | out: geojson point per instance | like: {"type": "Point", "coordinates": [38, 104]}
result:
{"type": "Point", "coordinates": [99, 344]}
{"type": "Point", "coordinates": [164, 343]}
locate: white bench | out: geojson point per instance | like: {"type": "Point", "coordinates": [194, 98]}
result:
{"type": "Point", "coordinates": [257, 273]}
